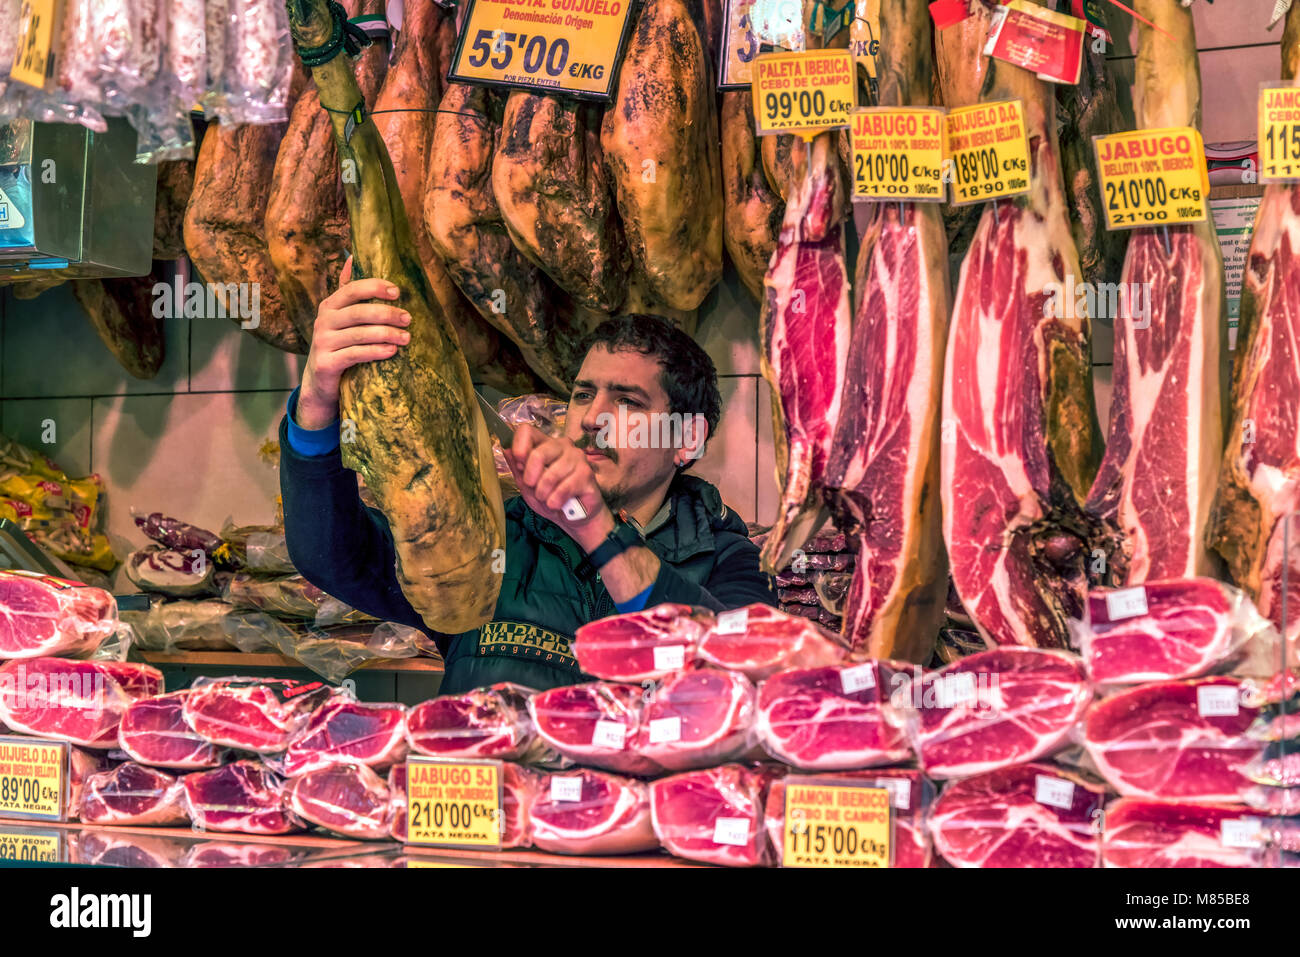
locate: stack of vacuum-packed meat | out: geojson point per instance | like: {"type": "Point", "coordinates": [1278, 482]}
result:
{"type": "Point", "coordinates": [240, 590]}
{"type": "Point", "coordinates": [816, 581]}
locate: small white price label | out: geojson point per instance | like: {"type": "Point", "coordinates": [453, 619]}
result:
{"type": "Point", "coordinates": [732, 622]}
{"type": "Point", "coordinates": [900, 792]}
{"type": "Point", "coordinates": [669, 657]}
{"type": "Point", "coordinates": [858, 678]}
{"type": "Point", "coordinates": [1126, 603]}
{"type": "Point", "coordinates": [1054, 792]}
{"type": "Point", "coordinates": [665, 729]}
{"type": "Point", "coordinates": [954, 690]}
{"type": "Point", "coordinates": [1217, 701]}
{"type": "Point", "coordinates": [609, 734]}
{"type": "Point", "coordinates": [1240, 831]}
{"type": "Point", "coordinates": [566, 789]}
{"type": "Point", "coordinates": [731, 830]}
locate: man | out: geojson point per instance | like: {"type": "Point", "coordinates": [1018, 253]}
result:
{"type": "Point", "coordinates": [651, 533]}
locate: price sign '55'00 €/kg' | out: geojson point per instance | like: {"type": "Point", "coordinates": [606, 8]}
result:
{"type": "Point", "coordinates": [1152, 177]}
{"type": "Point", "coordinates": [989, 152]}
{"type": "Point", "coordinates": [803, 93]}
{"type": "Point", "coordinates": [453, 803]}
{"type": "Point", "coordinates": [571, 47]}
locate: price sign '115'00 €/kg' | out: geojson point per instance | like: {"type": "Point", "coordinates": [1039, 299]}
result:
{"type": "Point", "coordinates": [454, 803]}
{"type": "Point", "coordinates": [835, 825]}
{"type": "Point", "coordinates": [1152, 177]}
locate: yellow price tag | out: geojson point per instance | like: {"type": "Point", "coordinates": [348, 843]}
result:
{"type": "Point", "coordinates": [33, 59]}
{"type": "Point", "coordinates": [836, 825]}
{"type": "Point", "coordinates": [18, 844]}
{"type": "Point", "coordinates": [33, 778]}
{"type": "Point", "coordinates": [898, 153]}
{"type": "Point", "coordinates": [556, 46]}
{"type": "Point", "coordinates": [804, 93]}
{"type": "Point", "coordinates": [1152, 177]}
{"type": "Point", "coordinates": [454, 803]}
{"type": "Point", "coordinates": [410, 864]}
{"type": "Point", "coordinates": [988, 151]}
{"type": "Point", "coordinates": [1279, 133]}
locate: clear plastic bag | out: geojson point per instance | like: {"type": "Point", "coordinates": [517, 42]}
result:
{"type": "Point", "coordinates": [1180, 628]}
{"type": "Point", "coordinates": [77, 701]}
{"type": "Point", "coordinates": [1153, 833]}
{"type": "Point", "coordinates": [591, 812]}
{"type": "Point", "coordinates": [834, 718]}
{"type": "Point", "coordinates": [595, 724]}
{"type": "Point", "coordinates": [260, 548]}
{"type": "Point", "coordinates": [343, 731]}
{"type": "Point", "coordinates": [1027, 815]}
{"type": "Point", "coordinates": [170, 571]}
{"type": "Point", "coordinates": [759, 640]}
{"type": "Point", "coordinates": [176, 626]}
{"type": "Point", "coordinates": [243, 796]}
{"type": "Point", "coordinates": [543, 411]}
{"type": "Point", "coordinates": [350, 800]}
{"type": "Point", "coordinates": [153, 731]}
{"type": "Point", "coordinates": [289, 596]}
{"type": "Point", "coordinates": [1182, 740]}
{"type": "Point", "coordinates": [714, 815]}
{"type": "Point", "coordinates": [182, 536]}
{"type": "Point", "coordinates": [697, 719]}
{"type": "Point", "coordinates": [132, 794]}
{"type": "Point", "coordinates": [641, 645]}
{"type": "Point", "coordinates": [257, 63]}
{"type": "Point", "coordinates": [332, 652]}
{"type": "Point", "coordinates": [52, 616]}
{"type": "Point", "coordinates": [994, 709]}
{"type": "Point", "coordinates": [488, 722]}
{"type": "Point", "coordinates": [252, 714]}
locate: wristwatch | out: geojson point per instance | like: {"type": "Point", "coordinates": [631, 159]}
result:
{"type": "Point", "coordinates": [626, 534]}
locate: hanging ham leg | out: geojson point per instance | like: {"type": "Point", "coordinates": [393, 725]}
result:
{"type": "Point", "coordinates": [882, 476]}
{"type": "Point", "coordinates": [420, 442]}
{"type": "Point", "coordinates": [121, 310]}
{"type": "Point", "coordinates": [753, 211]}
{"type": "Point", "coordinates": [1152, 496]}
{"type": "Point", "coordinates": [1019, 444]}
{"type": "Point", "coordinates": [806, 323]}
{"type": "Point", "coordinates": [1254, 525]}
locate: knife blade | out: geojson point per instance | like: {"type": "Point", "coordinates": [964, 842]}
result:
{"type": "Point", "coordinates": [505, 434]}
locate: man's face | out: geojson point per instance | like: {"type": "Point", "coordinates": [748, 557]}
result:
{"type": "Point", "coordinates": [637, 459]}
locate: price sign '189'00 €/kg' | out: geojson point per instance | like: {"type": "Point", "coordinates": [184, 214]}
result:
{"type": "Point", "coordinates": [571, 47]}
{"type": "Point", "coordinates": [803, 93]}
{"type": "Point", "coordinates": [898, 153]}
{"type": "Point", "coordinates": [33, 778]}
{"type": "Point", "coordinates": [1152, 177]}
{"type": "Point", "coordinates": [836, 825]}
{"type": "Point", "coordinates": [988, 152]}
{"type": "Point", "coordinates": [453, 803]}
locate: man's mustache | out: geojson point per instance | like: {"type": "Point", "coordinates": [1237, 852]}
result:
{"type": "Point", "coordinates": [588, 441]}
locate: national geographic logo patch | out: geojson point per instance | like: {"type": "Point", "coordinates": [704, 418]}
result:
{"type": "Point", "coordinates": [523, 640]}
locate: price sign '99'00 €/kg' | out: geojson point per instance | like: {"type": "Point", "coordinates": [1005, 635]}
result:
{"type": "Point", "coordinates": [33, 778]}
{"type": "Point", "coordinates": [453, 803]}
{"type": "Point", "coordinates": [1153, 177]}
{"type": "Point", "coordinates": [803, 93]}
{"type": "Point", "coordinates": [557, 46]}
{"type": "Point", "coordinates": [988, 151]}
{"type": "Point", "coordinates": [835, 825]}
{"type": "Point", "coordinates": [898, 153]}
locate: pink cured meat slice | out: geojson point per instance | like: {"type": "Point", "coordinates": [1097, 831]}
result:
{"type": "Point", "coordinates": [131, 794]}
{"type": "Point", "coordinates": [996, 708]}
{"type": "Point", "coordinates": [1191, 626]}
{"type": "Point", "coordinates": [348, 732]}
{"type": "Point", "coordinates": [41, 615]}
{"type": "Point", "coordinates": [347, 799]}
{"type": "Point", "coordinates": [806, 718]}
{"type": "Point", "coordinates": [77, 701]}
{"type": "Point", "coordinates": [252, 714]}
{"type": "Point", "coordinates": [594, 724]}
{"type": "Point", "coordinates": [484, 723]}
{"type": "Point", "coordinates": [610, 816]}
{"type": "Point", "coordinates": [696, 719]}
{"type": "Point", "coordinates": [82, 764]}
{"type": "Point", "coordinates": [714, 816]}
{"type": "Point", "coordinates": [231, 854]}
{"type": "Point", "coordinates": [770, 641]}
{"type": "Point", "coordinates": [1153, 742]}
{"type": "Point", "coordinates": [911, 795]}
{"type": "Point", "coordinates": [1010, 818]}
{"type": "Point", "coordinates": [124, 849]}
{"type": "Point", "coordinates": [642, 644]}
{"type": "Point", "coordinates": [1146, 833]}
{"type": "Point", "coordinates": [153, 731]}
{"type": "Point", "coordinates": [244, 796]}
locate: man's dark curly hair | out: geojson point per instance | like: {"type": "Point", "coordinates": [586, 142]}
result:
{"type": "Point", "coordinates": [686, 372]}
